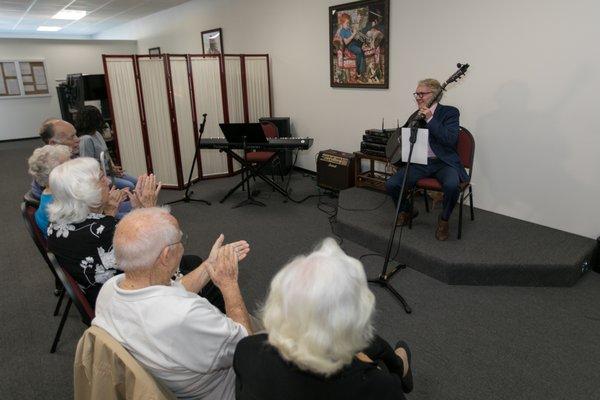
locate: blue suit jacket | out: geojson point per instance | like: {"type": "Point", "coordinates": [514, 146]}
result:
{"type": "Point", "coordinates": [443, 136]}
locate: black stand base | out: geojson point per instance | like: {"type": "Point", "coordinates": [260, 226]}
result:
{"type": "Point", "coordinates": [188, 199]}
{"type": "Point", "coordinates": [250, 201]}
{"type": "Point", "coordinates": [384, 281]}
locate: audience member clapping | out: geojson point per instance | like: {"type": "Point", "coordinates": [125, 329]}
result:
{"type": "Point", "coordinates": [41, 163]}
{"type": "Point", "coordinates": [89, 123]}
{"type": "Point", "coordinates": [82, 220]}
{"type": "Point", "coordinates": [319, 342]}
{"type": "Point", "coordinates": [179, 336]}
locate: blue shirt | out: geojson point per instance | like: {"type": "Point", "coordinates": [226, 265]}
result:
{"type": "Point", "coordinates": [41, 215]}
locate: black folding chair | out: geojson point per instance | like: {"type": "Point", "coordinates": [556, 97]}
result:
{"type": "Point", "coordinates": [28, 213]}
{"type": "Point", "coordinates": [76, 297]}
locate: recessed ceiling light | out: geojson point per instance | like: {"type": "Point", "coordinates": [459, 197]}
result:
{"type": "Point", "coordinates": [70, 14]}
{"type": "Point", "coordinates": [49, 28]}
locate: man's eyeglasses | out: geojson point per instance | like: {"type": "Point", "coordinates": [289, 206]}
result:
{"type": "Point", "coordinates": [419, 95]}
{"type": "Point", "coordinates": [183, 240]}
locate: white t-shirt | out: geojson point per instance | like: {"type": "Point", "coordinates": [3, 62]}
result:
{"type": "Point", "coordinates": [178, 336]}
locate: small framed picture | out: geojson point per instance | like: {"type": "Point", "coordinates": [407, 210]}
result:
{"type": "Point", "coordinates": [212, 41]}
{"type": "Point", "coordinates": [154, 51]}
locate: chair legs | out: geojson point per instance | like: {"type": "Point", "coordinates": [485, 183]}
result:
{"type": "Point", "coordinates": [61, 296]}
{"type": "Point", "coordinates": [471, 203]}
{"type": "Point", "coordinates": [426, 200]}
{"type": "Point", "coordinates": [460, 213]}
{"type": "Point", "coordinates": [61, 326]}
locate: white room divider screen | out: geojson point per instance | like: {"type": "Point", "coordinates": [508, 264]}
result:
{"type": "Point", "coordinates": [157, 104]}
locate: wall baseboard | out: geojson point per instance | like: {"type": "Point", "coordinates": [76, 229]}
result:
{"type": "Point", "coordinates": [20, 139]}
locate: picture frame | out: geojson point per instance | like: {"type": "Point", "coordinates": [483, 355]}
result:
{"type": "Point", "coordinates": [212, 41]}
{"type": "Point", "coordinates": [154, 51]}
{"type": "Point", "coordinates": [359, 44]}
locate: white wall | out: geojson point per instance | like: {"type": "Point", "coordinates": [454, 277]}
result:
{"type": "Point", "coordinates": [22, 117]}
{"type": "Point", "coordinates": [529, 97]}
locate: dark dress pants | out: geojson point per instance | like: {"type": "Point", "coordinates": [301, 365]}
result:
{"type": "Point", "coordinates": [435, 168]}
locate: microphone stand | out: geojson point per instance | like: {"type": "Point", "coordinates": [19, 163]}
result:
{"type": "Point", "coordinates": [384, 278]}
{"type": "Point", "coordinates": [187, 196]}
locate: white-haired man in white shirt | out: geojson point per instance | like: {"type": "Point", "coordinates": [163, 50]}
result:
{"type": "Point", "coordinates": [179, 336]}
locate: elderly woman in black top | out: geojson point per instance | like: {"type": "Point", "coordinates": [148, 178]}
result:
{"type": "Point", "coordinates": [319, 342]}
{"type": "Point", "coordinates": [82, 220]}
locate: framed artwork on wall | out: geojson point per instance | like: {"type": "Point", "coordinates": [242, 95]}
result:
{"type": "Point", "coordinates": [359, 44]}
{"type": "Point", "coordinates": [154, 51]}
{"type": "Point", "coordinates": [212, 41]}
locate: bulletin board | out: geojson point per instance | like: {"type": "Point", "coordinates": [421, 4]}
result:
{"type": "Point", "coordinates": [23, 78]}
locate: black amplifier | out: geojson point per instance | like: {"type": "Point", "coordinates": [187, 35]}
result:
{"type": "Point", "coordinates": [386, 133]}
{"type": "Point", "coordinates": [375, 139]}
{"type": "Point", "coordinates": [372, 146]}
{"type": "Point", "coordinates": [374, 153]}
{"type": "Point", "coordinates": [335, 170]}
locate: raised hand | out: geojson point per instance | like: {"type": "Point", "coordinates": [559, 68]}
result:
{"type": "Point", "coordinates": [146, 192]}
{"type": "Point", "coordinates": [115, 198]}
{"type": "Point", "coordinates": [224, 270]}
{"type": "Point", "coordinates": [241, 249]}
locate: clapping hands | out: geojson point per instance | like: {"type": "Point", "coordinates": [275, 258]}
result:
{"type": "Point", "coordinates": [115, 198]}
{"type": "Point", "coordinates": [222, 262]}
{"type": "Point", "coordinates": [146, 192]}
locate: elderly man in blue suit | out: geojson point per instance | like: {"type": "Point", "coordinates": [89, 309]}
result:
{"type": "Point", "coordinates": [443, 162]}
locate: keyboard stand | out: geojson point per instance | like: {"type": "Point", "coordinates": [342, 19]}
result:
{"type": "Point", "coordinates": [252, 171]}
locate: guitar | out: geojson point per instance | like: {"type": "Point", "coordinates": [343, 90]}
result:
{"type": "Point", "coordinates": [393, 148]}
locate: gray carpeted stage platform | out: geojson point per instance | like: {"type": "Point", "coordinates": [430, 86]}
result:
{"type": "Point", "coordinates": [494, 249]}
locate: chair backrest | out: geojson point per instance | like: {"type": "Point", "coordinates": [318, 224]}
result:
{"type": "Point", "coordinates": [28, 213]}
{"type": "Point", "coordinates": [105, 370]}
{"type": "Point", "coordinates": [73, 291]}
{"type": "Point", "coordinates": [466, 148]}
{"type": "Point", "coordinates": [270, 129]}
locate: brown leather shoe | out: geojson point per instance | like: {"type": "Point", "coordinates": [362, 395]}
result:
{"type": "Point", "coordinates": [404, 217]}
{"type": "Point", "coordinates": [443, 230]}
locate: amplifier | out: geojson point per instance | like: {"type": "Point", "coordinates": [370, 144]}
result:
{"type": "Point", "coordinates": [375, 139]}
{"type": "Point", "coordinates": [372, 146]}
{"type": "Point", "coordinates": [335, 170]}
{"type": "Point", "coordinates": [386, 133]}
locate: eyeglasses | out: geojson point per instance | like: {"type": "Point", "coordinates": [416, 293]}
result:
{"type": "Point", "coordinates": [419, 95]}
{"type": "Point", "coordinates": [183, 240]}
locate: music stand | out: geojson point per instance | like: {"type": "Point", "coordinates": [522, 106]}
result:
{"type": "Point", "coordinates": [243, 133]}
{"type": "Point", "coordinates": [384, 278]}
{"type": "Point", "coordinates": [187, 196]}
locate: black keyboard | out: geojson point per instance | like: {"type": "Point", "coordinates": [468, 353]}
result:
{"type": "Point", "coordinates": [285, 143]}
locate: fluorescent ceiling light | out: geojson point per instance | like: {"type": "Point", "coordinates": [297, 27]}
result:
{"type": "Point", "coordinates": [49, 28]}
{"type": "Point", "coordinates": [70, 14]}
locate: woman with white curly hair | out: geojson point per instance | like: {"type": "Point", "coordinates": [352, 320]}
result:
{"type": "Point", "coordinates": [319, 342]}
{"type": "Point", "coordinates": [82, 220]}
{"type": "Point", "coordinates": [41, 163]}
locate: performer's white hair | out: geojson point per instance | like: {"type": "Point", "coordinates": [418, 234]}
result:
{"type": "Point", "coordinates": [434, 85]}
{"type": "Point", "coordinates": [45, 159]}
{"type": "Point", "coordinates": [142, 235]}
{"type": "Point", "coordinates": [76, 189]}
{"type": "Point", "coordinates": [319, 308]}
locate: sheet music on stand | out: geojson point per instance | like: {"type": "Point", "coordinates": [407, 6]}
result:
{"type": "Point", "coordinates": [420, 150]}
